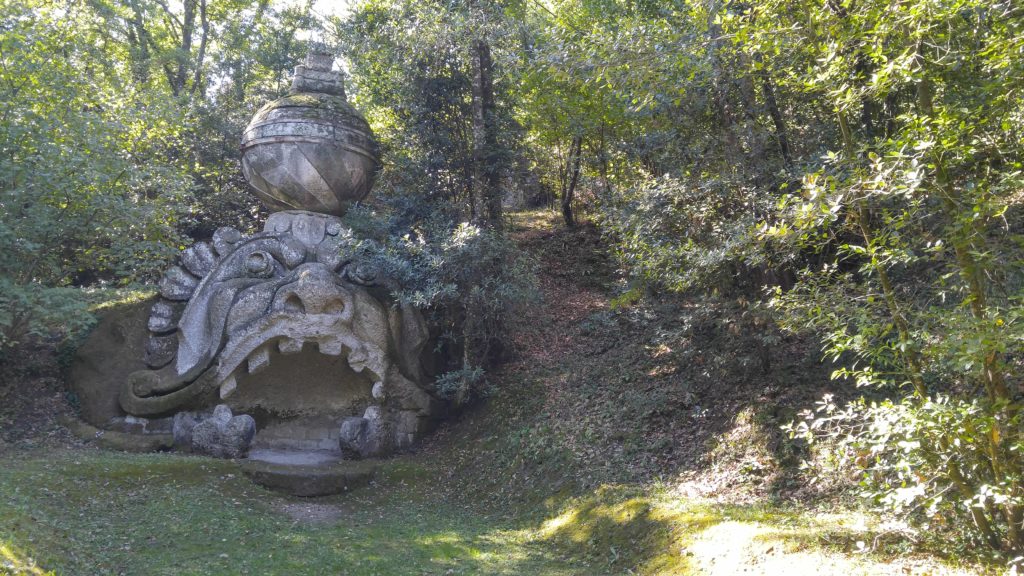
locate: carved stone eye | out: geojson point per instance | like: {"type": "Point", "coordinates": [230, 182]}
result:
{"type": "Point", "coordinates": [259, 263]}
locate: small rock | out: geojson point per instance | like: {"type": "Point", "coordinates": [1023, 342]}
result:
{"type": "Point", "coordinates": [352, 439]}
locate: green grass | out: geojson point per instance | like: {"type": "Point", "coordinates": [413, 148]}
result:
{"type": "Point", "coordinates": [80, 511]}
{"type": "Point", "coordinates": [90, 512]}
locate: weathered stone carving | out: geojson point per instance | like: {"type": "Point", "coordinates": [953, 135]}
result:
{"type": "Point", "coordinates": [223, 435]}
{"type": "Point", "coordinates": [310, 150]}
{"type": "Point", "coordinates": [295, 296]}
{"type": "Point", "coordinates": [269, 295]}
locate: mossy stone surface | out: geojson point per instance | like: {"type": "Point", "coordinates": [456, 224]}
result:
{"type": "Point", "coordinates": [121, 441]}
{"type": "Point", "coordinates": [101, 365]}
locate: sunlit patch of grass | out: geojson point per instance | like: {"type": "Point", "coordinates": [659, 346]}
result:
{"type": "Point", "coordinates": [105, 298]}
{"type": "Point", "coordinates": [538, 219]}
{"type": "Point", "coordinates": [652, 531]}
{"type": "Point", "coordinates": [13, 561]}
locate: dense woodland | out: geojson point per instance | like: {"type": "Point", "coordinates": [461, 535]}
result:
{"type": "Point", "coordinates": [851, 170]}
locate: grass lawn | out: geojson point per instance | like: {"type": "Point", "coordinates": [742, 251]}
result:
{"type": "Point", "coordinates": [91, 512]}
{"type": "Point", "coordinates": [84, 511]}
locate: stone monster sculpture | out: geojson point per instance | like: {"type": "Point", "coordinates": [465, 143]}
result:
{"type": "Point", "coordinates": [294, 294]}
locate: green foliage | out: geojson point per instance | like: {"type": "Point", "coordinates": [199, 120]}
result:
{"type": "Point", "coordinates": [906, 450]}
{"type": "Point", "coordinates": [916, 227]}
{"type": "Point", "coordinates": [902, 246]}
{"type": "Point", "coordinates": [88, 194]}
{"type": "Point", "coordinates": [412, 74]}
{"type": "Point", "coordinates": [684, 237]}
{"type": "Point", "coordinates": [475, 283]}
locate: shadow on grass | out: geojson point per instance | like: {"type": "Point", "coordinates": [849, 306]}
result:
{"type": "Point", "coordinates": [92, 512]}
{"type": "Point", "coordinates": [650, 531]}
{"type": "Point", "coordinates": [622, 529]}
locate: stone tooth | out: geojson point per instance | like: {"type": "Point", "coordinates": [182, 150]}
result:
{"type": "Point", "coordinates": [225, 239]}
{"type": "Point", "coordinates": [378, 390]}
{"type": "Point", "coordinates": [160, 325]}
{"type": "Point", "coordinates": [259, 359]}
{"type": "Point", "coordinates": [290, 346]}
{"type": "Point", "coordinates": [357, 360]}
{"type": "Point", "coordinates": [164, 315]}
{"type": "Point", "coordinates": [160, 350]}
{"type": "Point", "coordinates": [330, 347]}
{"type": "Point", "coordinates": [228, 386]}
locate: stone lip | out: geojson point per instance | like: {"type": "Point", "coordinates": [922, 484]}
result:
{"type": "Point", "coordinates": [296, 457]}
{"type": "Point", "coordinates": [113, 440]}
{"type": "Point", "coordinates": [322, 478]}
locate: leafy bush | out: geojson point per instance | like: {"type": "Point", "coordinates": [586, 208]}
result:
{"type": "Point", "coordinates": [680, 236]}
{"type": "Point", "coordinates": [936, 462]}
{"type": "Point", "coordinates": [87, 193]}
{"type": "Point", "coordinates": [905, 238]}
{"type": "Point", "coordinates": [473, 283]}
{"type": "Point", "coordinates": [915, 228]}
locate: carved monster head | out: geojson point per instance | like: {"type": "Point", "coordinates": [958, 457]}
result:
{"type": "Point", "coordinates": [230, 307]}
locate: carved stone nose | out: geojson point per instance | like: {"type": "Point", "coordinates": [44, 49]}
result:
{"type": "Point", "coordinates": [315, 291]}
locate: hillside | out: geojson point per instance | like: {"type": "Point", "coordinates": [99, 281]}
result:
{"type": "Point", "coordinates": [620, 438]}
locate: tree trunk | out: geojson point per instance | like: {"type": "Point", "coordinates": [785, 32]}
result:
{"type": "Point", "coordinates": [204, 23]}
{"type": "Point", "coordinates": [573, 168]}
{"type": "Point", "coordinates": [486, 175]}
{"type": "Point", "coordinates": [731, 150]}
{"type": "Point", "coordinates": [188, 25]}
{"type": "Point", "coordinates": [139, 41]}
{"type": "Point", "coordinates": [780, 124]}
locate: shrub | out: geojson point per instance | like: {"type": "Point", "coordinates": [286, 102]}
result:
{"type": "Point", "coordinates": [680, 236]}
{"type": "Point", "coordinates": [473, 283]}
{"type": "Point", "coordinates": [936, 461]}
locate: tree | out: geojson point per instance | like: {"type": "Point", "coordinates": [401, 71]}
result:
{"type": "Point", "coordinates": [89, 193]}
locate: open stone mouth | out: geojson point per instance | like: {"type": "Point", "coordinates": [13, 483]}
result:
{"type": "Point", "coordinates": [251, 352]}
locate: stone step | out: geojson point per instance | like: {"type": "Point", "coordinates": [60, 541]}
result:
{"type": "Point", "coordinates": [306, 472]}
{"type": "Point", "coordinates": [294, 444]}
{"type": "Point", "coordinates": [296, 457]}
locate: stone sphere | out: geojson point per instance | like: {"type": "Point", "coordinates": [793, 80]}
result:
{"type": "Point", "coordinates": [310, 150]}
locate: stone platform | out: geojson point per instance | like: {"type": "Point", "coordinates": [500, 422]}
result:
{"type": "Point", "coordinates": [306, 472]}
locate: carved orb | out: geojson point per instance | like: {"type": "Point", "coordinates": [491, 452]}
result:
{"type": "Point", "coordinates": [310, 150]}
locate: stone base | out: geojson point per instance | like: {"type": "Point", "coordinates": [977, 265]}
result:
{"type": "Point", "coordinates": [312, 433]}
{"type": "Point", "coordinates": [113, 440]}
{"type": "Point", "coordinates": [307, 473]}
